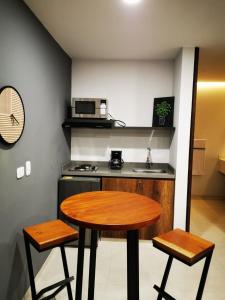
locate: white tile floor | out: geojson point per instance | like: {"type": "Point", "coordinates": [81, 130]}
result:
{"type": "Point", "coordinates": [208, 220]}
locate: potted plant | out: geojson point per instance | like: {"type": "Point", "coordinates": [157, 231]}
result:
{"type": "Point", "coordinates": [162, 110]}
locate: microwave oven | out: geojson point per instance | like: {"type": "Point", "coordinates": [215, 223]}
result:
{"type": "Point", "coordinates": [91, 108]}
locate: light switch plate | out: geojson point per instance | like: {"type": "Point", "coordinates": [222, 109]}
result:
{"type": "Point", "coordinates": [20, 172]}
{"type": "Point", "coordinates": [28, 168]}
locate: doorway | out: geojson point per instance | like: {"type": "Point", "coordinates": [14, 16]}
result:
{"type": "Point", "coordinates": [207, 187]}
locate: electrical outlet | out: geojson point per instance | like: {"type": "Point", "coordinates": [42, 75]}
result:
{"type": "Point", "coordinates": [20, 172]}
{"type": "Point", "coordinates": [28, 168]}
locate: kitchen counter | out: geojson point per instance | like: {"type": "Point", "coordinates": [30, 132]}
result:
{"type": "Point", "coordinates": [126, 171]}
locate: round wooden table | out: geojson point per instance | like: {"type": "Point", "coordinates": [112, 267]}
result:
{"type": "Point", "coordinates": [110, 210]}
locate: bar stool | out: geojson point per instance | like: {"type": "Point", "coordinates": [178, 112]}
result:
{"type": "Point", "coordinates": [187, 248]}
{"type": "Point", "coordinates": [43, 237]}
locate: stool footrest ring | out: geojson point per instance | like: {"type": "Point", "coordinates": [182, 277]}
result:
{"type": "Point", "coordinates": [62, 284]}
{"type": "Point", "coordinates": [162, 293]}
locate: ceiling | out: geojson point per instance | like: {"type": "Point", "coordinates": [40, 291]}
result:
{"type": "Point", "coordinates": [153, 29]}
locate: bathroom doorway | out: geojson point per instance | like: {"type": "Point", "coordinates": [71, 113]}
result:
{"type": "Point", "coordinates": [206, 203]}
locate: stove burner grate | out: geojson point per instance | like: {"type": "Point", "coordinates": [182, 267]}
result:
{"type": "Point", "coordinates": [84, 168]}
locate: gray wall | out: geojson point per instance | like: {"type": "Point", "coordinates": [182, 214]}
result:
{"type": "Point", "coordinates": [32, 62]}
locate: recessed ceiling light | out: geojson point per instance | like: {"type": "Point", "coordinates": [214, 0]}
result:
{"type": "Point", "coordinates": [132, 1]}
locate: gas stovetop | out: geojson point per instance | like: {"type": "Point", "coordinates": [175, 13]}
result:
{"type": "Point", "coordinates": [84, 168]}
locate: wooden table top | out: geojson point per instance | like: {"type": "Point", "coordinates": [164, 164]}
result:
{"type": "Point", "coordinates": [111, 210]}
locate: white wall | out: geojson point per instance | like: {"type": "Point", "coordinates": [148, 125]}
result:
{"type": "Point", "coordinates": [97, 144]}
{"type": "Point", "coordinates": [179, 154]}
{"type": "Point", "coordinates": [176, 91]}
{"type": "Point", "coordinates": [130, 87]}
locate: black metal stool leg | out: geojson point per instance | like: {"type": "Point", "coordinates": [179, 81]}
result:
{"type": "Point", "coordinates": [91, 283]}
{"type": "Point", "coordinates": [66, 272]}
{"type": "Point", "coordinates": [30, 268]}
{"type": "Point", "coordinates": [80, 263]}
{"type": "Point", "coordinates": [204, 276]}
{"type": "Point", "coordinates": [165, 277]}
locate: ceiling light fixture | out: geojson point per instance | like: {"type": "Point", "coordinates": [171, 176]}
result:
{"type": "Point", "coordinates": [131, 2]}
{"type": "Point", "coordinates": [211, 84]}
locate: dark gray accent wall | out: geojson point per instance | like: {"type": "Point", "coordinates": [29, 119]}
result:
{"type": "Point", "coordinates": [32, 62]}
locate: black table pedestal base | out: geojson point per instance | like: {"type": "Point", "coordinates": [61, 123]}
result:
{"type": "Point", "coordinates": [132, 265]}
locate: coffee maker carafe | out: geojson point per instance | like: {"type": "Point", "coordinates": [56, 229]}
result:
{"type": "Point", "coordinates": [116, 161]}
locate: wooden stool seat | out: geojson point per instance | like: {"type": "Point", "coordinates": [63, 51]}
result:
{"type": "Point", "coordinates": [183, 245]}
{"type": "Point", "coordinates": [187, 248]}
{"type": "Point", "coordinates": [50, 234]}
{"type": "Point", "coordinates": [46, 236]}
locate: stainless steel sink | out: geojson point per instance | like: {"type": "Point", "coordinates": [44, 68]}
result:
{"type": "Point", "coordinates": [138, 170]}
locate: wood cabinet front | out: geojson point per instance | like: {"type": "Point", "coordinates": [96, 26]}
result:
{"type": "Point", "coordinates": [161, 190]}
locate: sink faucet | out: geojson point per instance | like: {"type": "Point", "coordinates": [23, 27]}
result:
{"type": "Point", "coordinates": [148, 160]}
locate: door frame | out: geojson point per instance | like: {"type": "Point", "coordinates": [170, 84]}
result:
{"type": "Point", "coordinates": [191, 144]}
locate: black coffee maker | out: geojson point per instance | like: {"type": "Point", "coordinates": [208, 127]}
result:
{"type": "Point", "coordinates": [116, 161]}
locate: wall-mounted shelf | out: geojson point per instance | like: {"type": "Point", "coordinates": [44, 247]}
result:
{"type": "Point", "coordinates": [143, 128]}
{"type": "Point", "coordinates": [107, 124]}
{"type": "Point", "coordinates": [87, 123]}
